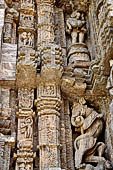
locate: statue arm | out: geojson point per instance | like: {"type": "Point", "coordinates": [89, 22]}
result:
{"type": "Point", "coordinates": [68, 27]}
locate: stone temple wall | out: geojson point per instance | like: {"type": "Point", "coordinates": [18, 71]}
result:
{"type": "Point", "coordinates": [56, 84]}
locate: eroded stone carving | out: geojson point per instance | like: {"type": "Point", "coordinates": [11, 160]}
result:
{"type": "Point", "coordinates": [25, 115]}
{"type": "Point", "coordinates": [78, 54]}
{"type": "Point", "coordinates": [26, 39]}
{"type": "Point", "coordinates": [11, 18]}
{"type": "Point", "coordinates": [26, 20]}
{"type": "Point", "coordinates": [48, 124]}
{"type": "Point", "coordinates": [40, 23]}
{"type": "Point", "coordinates": [26, 127]}
{"type": "Point", "coordinates": [25, 98]}
{"type": "Point", "coordinates": [6, 143]}
{"type": "Point", "coordinates": [27, 4]}
{"type": "Point", "coordinates": [89, 124]}
{"type": "Point", "coordinates": [76, 26]}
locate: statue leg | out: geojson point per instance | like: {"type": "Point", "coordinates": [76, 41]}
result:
{"type": "Point", "coordinates": [74, 35]}
{"type": "Point", "coordinates": [78, 158]}
{"type": "Point", "coordinates": [100, 148]}
{"type": "Point", "coordinates": [81, 37]}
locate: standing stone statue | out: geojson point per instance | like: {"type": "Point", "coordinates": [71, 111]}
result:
{"type": "Point", "coordinates": [76, 27]}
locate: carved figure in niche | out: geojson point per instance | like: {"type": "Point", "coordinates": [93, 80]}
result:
{"type": "Point", "coordinates": [26, 3]}
{"type": "Point", "coordinates": [89, 124]}
{"type": "Point", "coordinates": [26, 20]}
{"type": "Point", "coordinates": [76, 26]}
{"type": "Point", "coordinates": [27, 38]}
{"type": "Point", "coordinates": [49, 90]}
{"type": "Point", "coordinates": [24, 38]}
{"type": "Point", "coordinates": [30, 39]}
{"type": "Point", "coordinates": [26, 127]}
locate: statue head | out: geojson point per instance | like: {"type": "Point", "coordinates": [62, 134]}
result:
{"type": "Point", "coordinates": [28, 120]}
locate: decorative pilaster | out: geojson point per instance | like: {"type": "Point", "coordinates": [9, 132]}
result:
{"type": "Point", "coordinates": [48, 106]}
{"type": "Point", "coordinates": [6, 143]}
{"type": "Point", "coordinates": [6, 139]}
{"type": "Point", "coordinates": [10, 24]}
{"type": "Point", "coordinates": [45, 27]}
{"type": "Point", "coordinates": [25, 130]}
{"type": "Point", "coordinates": [26, 64]}
{"type": "Point", "coordinates": [48, 101]}
{"type": "Point", "coordinates": [26, 72]}
{"type": "Point", "coordinates": [8, 27]}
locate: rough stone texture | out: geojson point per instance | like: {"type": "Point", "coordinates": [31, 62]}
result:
{"type": "Point", "coordinates": [56, 84]}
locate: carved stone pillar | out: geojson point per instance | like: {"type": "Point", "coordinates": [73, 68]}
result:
{"type": "Point", "coordinates": [25, 80]}
{"type": "Point", "coordinates": [45, 27]}
{"type": "Point", "coordinates": [10, 24]}
{"type": "Point", "coordinates": [48, 90]}
{"type": "Point", "coordinates": [26, 65]}
{"type": "Point", "coordinates": [6, 144]}
{"type": "Point", "coordinates": [5, 112]}
{"type": "Point", "coordinates": [6, 139]}
{"type": "Point", "coordinates": [25, 130]}
{"type": "Point", "coordinates": [8, 27]}
{"type": "Point", "coordinates": [48, 106]}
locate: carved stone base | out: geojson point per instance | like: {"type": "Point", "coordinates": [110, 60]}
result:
{"type": "Point", "coordinates": [78, 56]}
{"type": "Point", "coordinates": [102, 165]}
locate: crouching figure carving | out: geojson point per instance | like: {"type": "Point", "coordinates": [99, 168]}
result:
{"type": "Point", "coordinates": [89, 124]}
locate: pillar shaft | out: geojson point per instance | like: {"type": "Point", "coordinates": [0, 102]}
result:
{"type": "Point", "coordinates": [45, 26]}
{"type": "Point", "coordinates": [48, 107]}
{"type": "Point", "coordinates": [25, 129]}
